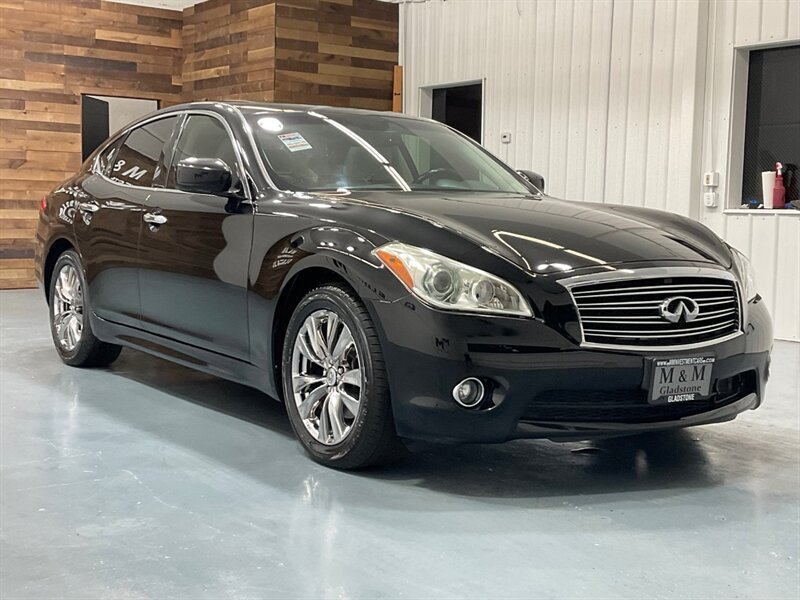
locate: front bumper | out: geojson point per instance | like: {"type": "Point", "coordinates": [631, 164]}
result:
{"type": "Point", "coordinates": [545, 386]}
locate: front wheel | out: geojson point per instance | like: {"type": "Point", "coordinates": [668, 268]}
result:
{"type": "Point", "coordinates": [69, 317]}
{"type": "Point", "coordinates": [334, 381]}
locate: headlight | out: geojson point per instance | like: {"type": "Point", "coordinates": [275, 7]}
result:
{"type": "Point", "coordinates": [746, 275]}
{"type": "Point", "coordinates": [448, 284]}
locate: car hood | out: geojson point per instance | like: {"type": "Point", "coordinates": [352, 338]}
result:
{"type": "Point", "coordinates": [550, 235]}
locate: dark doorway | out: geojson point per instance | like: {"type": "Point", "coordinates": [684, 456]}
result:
{"type": "Point", "coordinates": [102, 116]}
{"type": "Point", "coordinates": [94, 120]}
{"type": "Point", "coordinates": [461, 107]}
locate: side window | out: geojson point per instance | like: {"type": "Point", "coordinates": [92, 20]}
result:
{"type": "Point", "coordinates": [139, 157]}
{"type": "Point", "coordinates": [203, 137]}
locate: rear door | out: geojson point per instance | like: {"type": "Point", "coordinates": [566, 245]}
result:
{"type": "Point", "coordinates": [195, 248]}
{"type": "Point", "coordinates": [108, 219]}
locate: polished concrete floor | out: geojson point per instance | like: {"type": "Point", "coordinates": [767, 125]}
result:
{"type": "Point", "coordinates": [148, 480]}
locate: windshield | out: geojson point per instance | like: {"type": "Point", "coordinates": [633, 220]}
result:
{"type": "Point", "coordinates": [307, 151]}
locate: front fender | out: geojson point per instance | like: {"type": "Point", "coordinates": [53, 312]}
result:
{"type": "Point", "coordinates": [344, 253]}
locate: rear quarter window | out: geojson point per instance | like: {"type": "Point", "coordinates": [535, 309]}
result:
{"type": "Point", "coordinates": [104, 157]}
{"type": "Point", "coordinates": [141, 155]}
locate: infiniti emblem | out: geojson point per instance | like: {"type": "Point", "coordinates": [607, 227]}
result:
{"type": "Point", "coordinates": [679, 308]}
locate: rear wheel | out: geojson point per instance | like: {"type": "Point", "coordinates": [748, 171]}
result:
{"type": "Point", "coordinates": [69, 322]}
{"type": "Point", "coordinates": [334, 381]}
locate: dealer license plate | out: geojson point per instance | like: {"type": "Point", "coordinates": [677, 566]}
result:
{"type": "Point", "coordinates": [680, 379]}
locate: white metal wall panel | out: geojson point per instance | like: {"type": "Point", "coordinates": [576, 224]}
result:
{"type": "Point", "coordinates": [535, 145]}
{"type": "Point", "coordinates": [624, 101]}
{"type": "Point", "coordinates": [653, 121]}
{"type": "Point", "coordinates": [618, 108]}
{"type": "Point", "coordinates": [636, 85]}
{"type": "Point", "coordinates": [597, 109]}
{"type": "Point", "coordinates": [549, 90]}
{"type": "Point", "coordinates": [771, 240]}
{"type": "Point", "coordinates": [786, 305]}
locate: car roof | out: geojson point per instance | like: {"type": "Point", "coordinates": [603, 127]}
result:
{"type": "Point", "coordinates": [256, 107]}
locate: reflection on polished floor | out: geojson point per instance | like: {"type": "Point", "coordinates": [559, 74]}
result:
{"type": "Point", "coordinates": [151, 480]}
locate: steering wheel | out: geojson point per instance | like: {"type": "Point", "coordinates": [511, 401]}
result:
{"type": "Point", "coordinates": [439, 173]}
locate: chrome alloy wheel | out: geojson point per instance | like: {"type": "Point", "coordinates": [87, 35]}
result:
{"type": "Point", "coordinates": [326, 377]}
{"type": "Point", "coordinates": [68, 308]}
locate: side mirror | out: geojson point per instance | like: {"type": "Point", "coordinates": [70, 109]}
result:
{"type": "Point", "coordinates": [203, 176]}
{"type": "Point", "coordinates": [533, 177]}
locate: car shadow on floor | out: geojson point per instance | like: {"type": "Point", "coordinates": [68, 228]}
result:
{"type": "Point", "coordinates": [523, 468]}
{"type": "Point", "coordinates": [223, 396]}
{"type": "Point", "coordinates": [669, 460]}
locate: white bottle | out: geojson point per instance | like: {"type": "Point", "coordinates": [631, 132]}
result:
{"type": "Point", "coordinates": [767, 183]}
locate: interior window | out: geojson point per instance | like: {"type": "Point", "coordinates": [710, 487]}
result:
{"type": "Point", "coordinates": [772, 130]}
{"type": "Point", "coordinates": [140, 156]}
{"type": "Point", "coordinates": [203, 137]}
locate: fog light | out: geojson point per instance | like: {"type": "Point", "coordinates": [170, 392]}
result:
{"type": "Point", "coordinates": [469, 392]}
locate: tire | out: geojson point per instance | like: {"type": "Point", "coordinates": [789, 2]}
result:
{"type": "Point", "coordinates": [366, 434]}
{"type": "Point", "coordinates": [69, 317]}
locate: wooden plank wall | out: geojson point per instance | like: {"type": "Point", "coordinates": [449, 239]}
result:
{"type": "Point", "coordinates": [336, 52]}
{"type": "Point", "coordinates": [339, 52]}
{"type": "Point", "coordinates": [52, 51]}
{"type": "Point", "coordinates": [229, 50]}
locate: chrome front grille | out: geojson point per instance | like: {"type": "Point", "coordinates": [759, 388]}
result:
{"type": "Point", "coordinates": [635, 310]}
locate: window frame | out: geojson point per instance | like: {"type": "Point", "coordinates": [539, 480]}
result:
{"type": "Point", "coordinates": [239, 170]}
{"type": "Point", "coordinates": [425, 100]}
{"type": "Point", "coordinates": [120, 140]}
{"type": "Point", "coordinates": [737, 128]}
{"type": "Point", "coordinates": [182, 116]}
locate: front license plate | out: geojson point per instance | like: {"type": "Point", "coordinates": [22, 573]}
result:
{"type": "Point", "coordinates": [680, 379]}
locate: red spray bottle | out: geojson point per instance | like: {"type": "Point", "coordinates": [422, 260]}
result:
{"type": "Point", "coordinates": [778, 191]}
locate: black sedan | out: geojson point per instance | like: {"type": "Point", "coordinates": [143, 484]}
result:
{"type": "Point", "coordinates": [389, 279]}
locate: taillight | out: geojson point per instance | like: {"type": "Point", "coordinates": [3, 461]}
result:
{"type": "Point", "coordinates": [43, 205]}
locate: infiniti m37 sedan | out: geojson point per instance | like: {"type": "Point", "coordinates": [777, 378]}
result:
{"type": "Point", "coordinates": [388, 279]}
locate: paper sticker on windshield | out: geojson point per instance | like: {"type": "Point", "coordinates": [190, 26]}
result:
{"type": "Point", "coordinates": [294, 142]}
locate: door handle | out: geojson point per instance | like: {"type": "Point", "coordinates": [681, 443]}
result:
{"type": "Point", "coordinates": [89, 207]}
{"type": "Point", "coordinates": [154, 219]}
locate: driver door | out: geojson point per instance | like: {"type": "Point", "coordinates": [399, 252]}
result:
{"type": "Point", "coordinates": [194, 251]}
